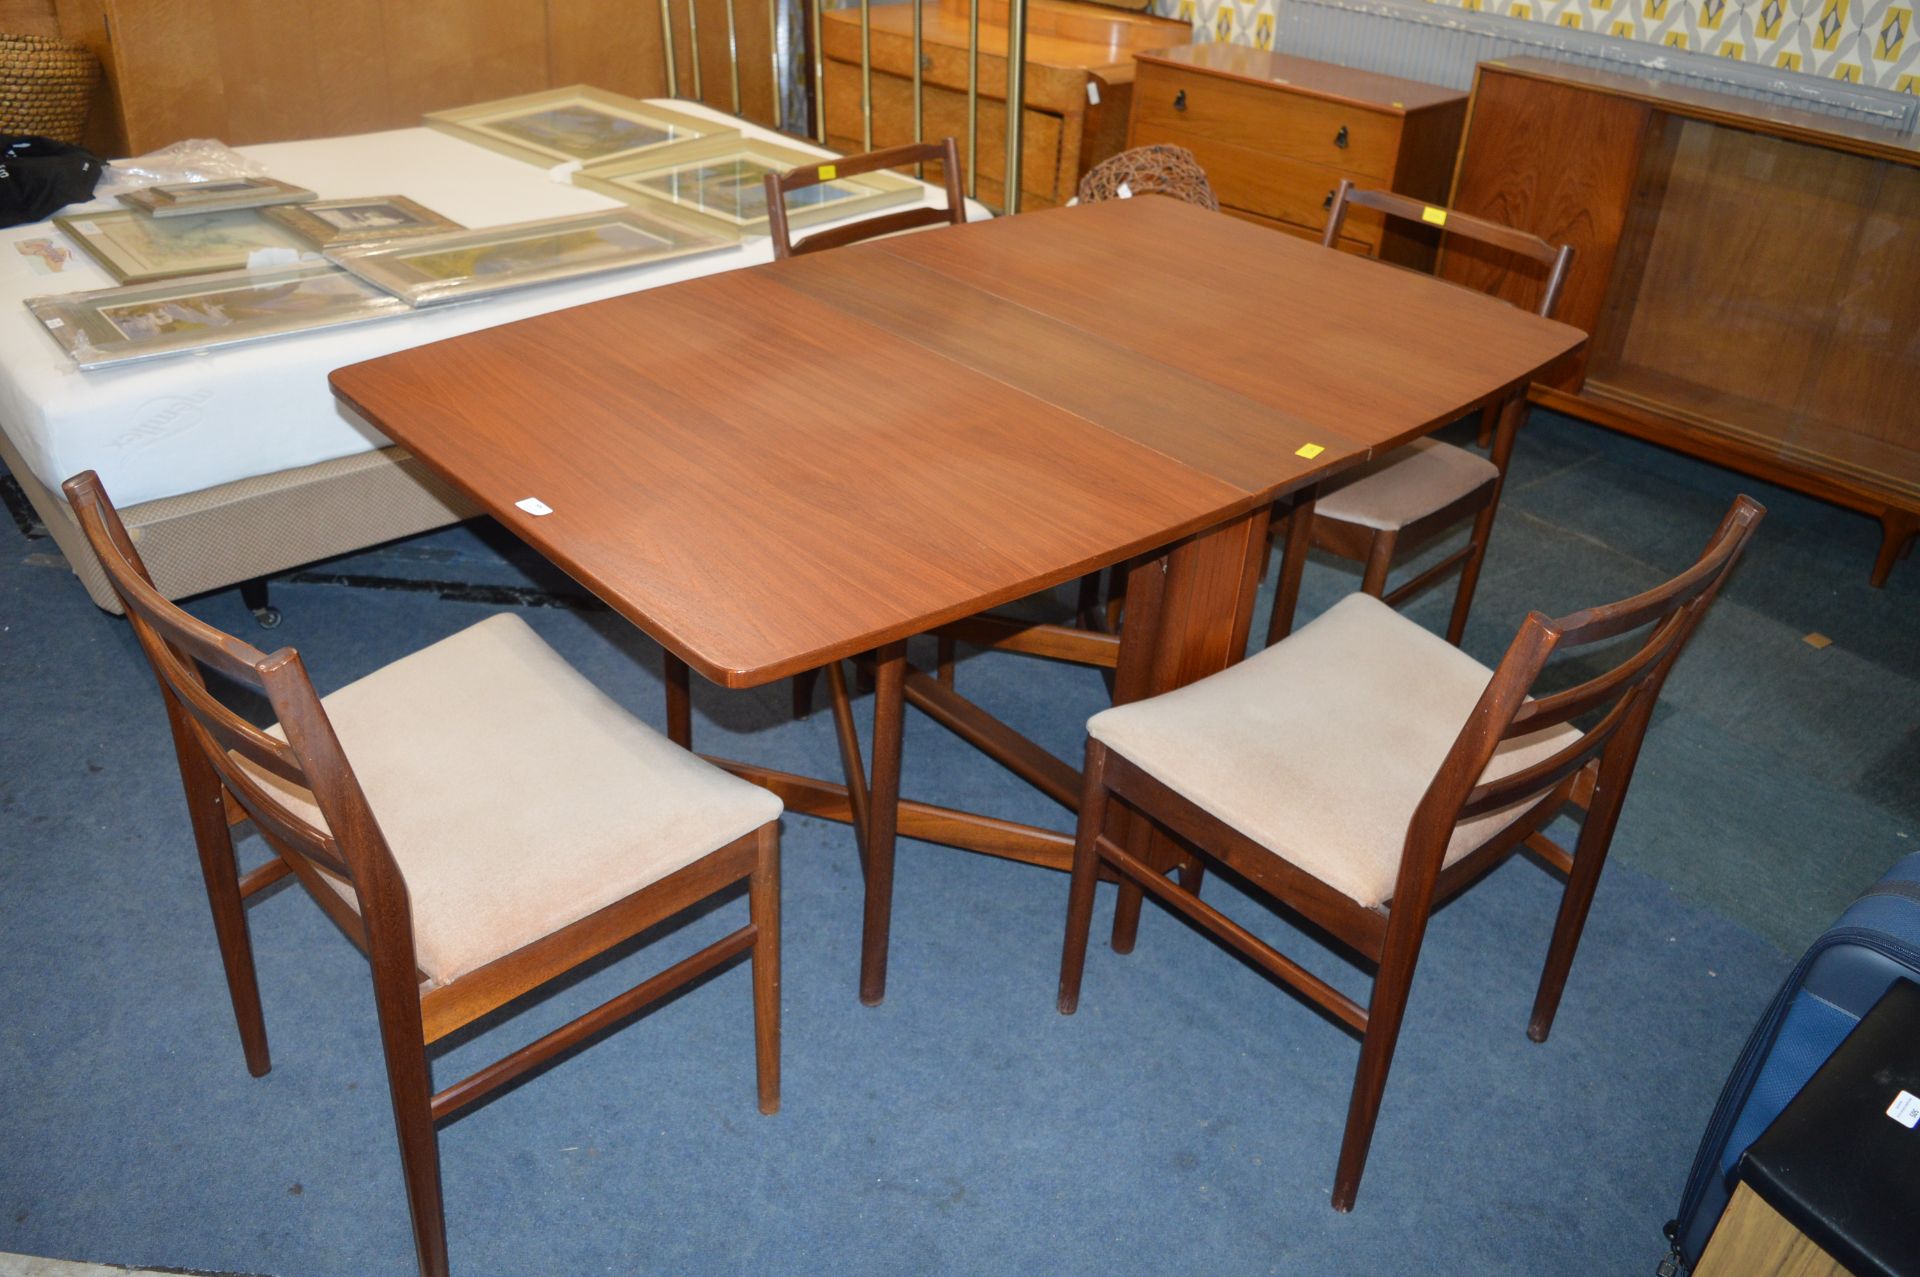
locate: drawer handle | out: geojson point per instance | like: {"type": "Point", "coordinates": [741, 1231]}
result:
{"type": "Point", "coordinates": [1327, 203]}
{"type": "Point", "coordinates": [1340, 138]}
{"type": "Point", "coordinates": [1180, 100]}
{"type": "Point", "coordinates": [926, 64]}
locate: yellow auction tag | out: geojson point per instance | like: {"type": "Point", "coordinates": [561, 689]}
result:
{"type": "Point", "coordinates": [1438, 216]}
{"type": "Point", "coordinates": [1308, 450]}
{"type": "Point", "coordinates": [828, 172]}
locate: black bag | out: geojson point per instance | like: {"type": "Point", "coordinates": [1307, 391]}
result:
{"type": "Point", "coordinates": [39, 177]}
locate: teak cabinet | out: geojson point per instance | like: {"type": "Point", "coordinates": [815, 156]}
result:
{"type": "Point", "coordinates": [1277, 133]}
{"type": "Point", "coordinates": [1065, 131]}
{"type": "Point", "coordinates": [1750, 275]}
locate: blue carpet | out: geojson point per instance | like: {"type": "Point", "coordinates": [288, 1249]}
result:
{"type": "Point", "coordinates": [1186, 1120]}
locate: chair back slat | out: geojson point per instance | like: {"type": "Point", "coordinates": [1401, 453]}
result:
{"type": "Point", "coordinates": [1557, 258]}
{"type": "Point", "coordinates": [1461, 790]}
{"type": "Point", "coordinates": [1536, 780]}
{"type": "Point", "coordinates": [778, 185]}
{"type": "Point", "coordinates": [177, 646]}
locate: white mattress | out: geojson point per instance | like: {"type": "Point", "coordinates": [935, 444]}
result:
{"type": "Point", "coordinates": [176, 425]}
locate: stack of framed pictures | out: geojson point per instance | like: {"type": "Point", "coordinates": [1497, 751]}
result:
{"type": "Point", "coordinates": [209, 264]}
{"type": "Point", "coordinates": [723, 180]}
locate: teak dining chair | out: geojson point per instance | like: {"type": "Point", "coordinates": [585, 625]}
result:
{"type": "Point", "coordinates": [502, 821]}
{"type": "Point", "coordinates": [780, 185]}
{"type": "Point", "coordinates": [1363, 771]}
{"type": "Point", "coordinates": [1402, 501]}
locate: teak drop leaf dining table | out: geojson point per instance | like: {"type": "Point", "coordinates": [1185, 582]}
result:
{"type": "Point", "coordinates": [779, 467]}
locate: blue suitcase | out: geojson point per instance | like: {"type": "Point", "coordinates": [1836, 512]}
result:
{"type": "Point", "coordinates": [1876, 941]}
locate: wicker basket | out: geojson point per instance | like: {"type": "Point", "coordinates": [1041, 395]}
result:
{"type": "Point", "coordinates": [46, 86]}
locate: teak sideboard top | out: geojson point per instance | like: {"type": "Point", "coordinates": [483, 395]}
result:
{"type": "Point", "coordinates": [1750, 274]}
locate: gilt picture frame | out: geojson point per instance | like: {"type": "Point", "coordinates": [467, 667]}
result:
{"type": "Point", "coordinates": [365, 220]}
{"type": "Point", "coordinates": [137, 249]}
{"type": "Point", "coordinates": [180, 199]}
{"type": "Point", "coordinates": [722, 180]}
{"type": "Point", "coordinates": [109, 326]}
{"type": "Point", "coordinates": [579, 124]}
{"type": "Point", "coordinates": [441, 268]}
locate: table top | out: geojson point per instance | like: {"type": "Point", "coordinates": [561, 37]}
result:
{"type": "Point", "coordinates": [780, 466]}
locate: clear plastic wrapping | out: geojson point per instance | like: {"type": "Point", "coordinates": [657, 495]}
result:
{"type": "Point", "coordinates": [195, 160]}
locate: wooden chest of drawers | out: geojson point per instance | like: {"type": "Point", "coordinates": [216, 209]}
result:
{"type": "Point", "coordinates": [1277, 133]}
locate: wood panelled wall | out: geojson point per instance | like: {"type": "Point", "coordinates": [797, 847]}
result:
{"type": "Point", "coordinates": [272, 70]}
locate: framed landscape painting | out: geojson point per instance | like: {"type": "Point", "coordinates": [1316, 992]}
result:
{"type": "Point", "coordinates": [440, 268]}
{"type": "Point", "coordinates": [338, 223]}
{"type": "Point", "coordinates": [582, 124]}
{"type": "Point", "coordinates": [111, 326]}
{"type": "Point", "coordinates": [177, 199]}
{"type": "Point", "coordinates": [724, 180]}
{"type": "Point", "coordinates": [135, 248]}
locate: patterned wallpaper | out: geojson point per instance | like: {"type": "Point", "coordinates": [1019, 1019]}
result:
{"type": "Point", "coordinates": [1868, 42]}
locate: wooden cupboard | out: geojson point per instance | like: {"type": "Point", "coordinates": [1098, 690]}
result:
{"type": "Point", "coordinates": [1066, 129]}
{"type": "Point", "coordinates": [1276, 134]}
{"type": "Point", "coordinates": [1750, 275]}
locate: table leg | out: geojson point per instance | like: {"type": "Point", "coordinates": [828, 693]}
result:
{"type": "Point", "coordinates": [1189, 613]}
{"type": "Point", "coordinates": [883, 814]}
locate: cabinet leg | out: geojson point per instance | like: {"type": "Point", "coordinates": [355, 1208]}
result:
{"type": "Point", "coordinates": [1897, 531]}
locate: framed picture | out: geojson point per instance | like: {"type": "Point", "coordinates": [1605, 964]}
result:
{"type": "Point", "coordinates": [338, 223]}
{"type": "Point", "coordinates": [439, 268]}
{"type": "Point", "coordinates": [136, 249]}
{"type": "Point", "coordinates": [724, 179]}
{"type": "Point", "coordinates": [176, 199]}
{"type": "Point", "coordinates": [120, 325]}
{"type": "Point", "coordinates": [581, 123]}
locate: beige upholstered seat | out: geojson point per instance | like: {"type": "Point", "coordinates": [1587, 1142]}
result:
{"type": "Point", "coordinates": [515, 795]}
{"type": "Point", "coordinates": [1407, 484]}
{"type": "Point", "coordinates": [1320, 748]}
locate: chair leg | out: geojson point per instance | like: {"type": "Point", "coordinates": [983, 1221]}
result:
{"type": "Point", "coordinates": [763, 905]}
{"type": "Point", "coordinates": [679, 700]}
{"type": "Point", "coordinates": [1489, 415]}
{"type": "Point", "coordinates": [883, 814]}
{"type": "Point", "coordinates": [1193, 872]}
{"type": "Point", "coordinates": [1470, 570]}
{"type": "Point", "coordinates": [1293, 566]}
{"type": "Point", "coordinates": [213, 839]}
{"type": "Point", "coordinates": [1086, 874]}
{"type": "Point", "coordinates": [1589, 856]}
{"type": "Point", "coordinates": [411, 1086]}
{"type": "Point", "coordinates": [1384, 1013]}
{"type": "Point", "coordinates": [1088, 601]}
{"type": "Point", "coordinates": [1379, 559]}
{"type": "Point", "coordinates": [803, 692]}
{"type": "Point", "coordinates": [1126, 907]}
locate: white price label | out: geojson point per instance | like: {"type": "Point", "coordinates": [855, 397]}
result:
{"type": "Point", "coordinates": [1905, 1109]}
{"type": "Point", "coordinates": [534, 505]}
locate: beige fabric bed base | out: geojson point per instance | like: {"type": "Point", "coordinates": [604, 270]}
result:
{"type": "Point", "coordinates": [219, 536]}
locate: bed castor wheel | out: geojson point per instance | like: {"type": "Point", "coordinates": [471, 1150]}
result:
{"type": "Point", "coordinates": [253, 594]}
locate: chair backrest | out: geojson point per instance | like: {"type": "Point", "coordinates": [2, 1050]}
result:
{"type": "Point", "coordinates": [1160, 169]}
{"type": "Point", "coordinates": [1621, 698]}
{"type": "Point", "coordinates": [1555, 258]}
{"type": "Point", "coordinates": [778, 184]}
{"type": "Point", "coordinates": [210, 738]}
